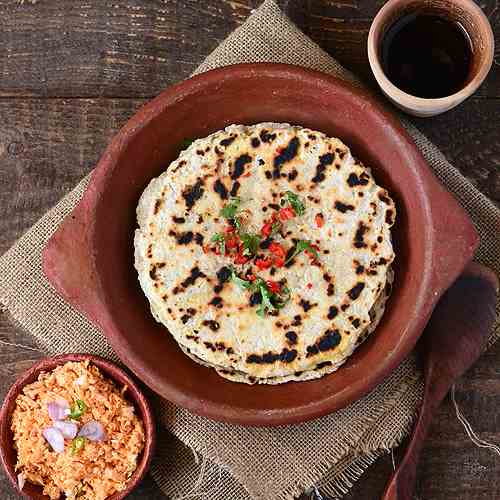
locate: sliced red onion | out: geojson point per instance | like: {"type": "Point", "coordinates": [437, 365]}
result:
{"type": "Point", "coordinates": [58, 410]}
{"type": "Point", "coordinates": [68, 429]}
{"type": "Point", "coordinates": [21, 480]}
{"type": "Point", "coordinates": [93, 431]}
{"type": "Point", "coordinates": [55, 438]}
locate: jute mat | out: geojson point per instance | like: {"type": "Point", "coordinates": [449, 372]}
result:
{"type": "Point", "coordinates": [199, 458]}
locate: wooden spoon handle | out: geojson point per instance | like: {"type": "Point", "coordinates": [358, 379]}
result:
{"type": "Point", "coordinates": [454, 339]}
{"type": "Point", "coordinates": [401, 485]}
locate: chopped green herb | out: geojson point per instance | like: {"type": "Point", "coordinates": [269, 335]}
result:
{"type": "Point", "coordinates": [229, 211]}
{"type": "Point", "coordinates": [186, 143]}
{"type": "Point", "coordinates": [221, 242]}
{"type": "Point", "coordinates": [275, 228]}
{"type": "Point", "coordinates": [78, 444]}
{"type": "Point", "coordinates": [301, 246]}
{"type": "Point", "coordinates": [78, 408]}
{"type": "Point", "coordinates": [244, 284]}
{"type": "Point", "coordinates": [266, 294]}
{"type": "Point", "coordinates": [295, 202]}
{"type": "Point", "coordinates": [270, 301]}
{"type": "Point", "coordinates": [250, 243]}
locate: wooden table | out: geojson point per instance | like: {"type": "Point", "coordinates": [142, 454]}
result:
{"type": "Point", "coordinates": [73, 71]}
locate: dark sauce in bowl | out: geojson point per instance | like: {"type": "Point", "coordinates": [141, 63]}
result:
{"type": "Point", "coordinates": [426, 55]}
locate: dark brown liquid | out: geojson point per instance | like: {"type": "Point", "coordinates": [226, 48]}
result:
{"type": "Point", "coordinates": [426, 55]}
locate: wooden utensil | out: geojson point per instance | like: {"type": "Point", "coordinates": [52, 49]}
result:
{"type": "Point", "coordinates": [452, 342]}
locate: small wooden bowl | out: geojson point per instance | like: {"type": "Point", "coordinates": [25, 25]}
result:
{"type": "Point", "coordinates": [108, 369]}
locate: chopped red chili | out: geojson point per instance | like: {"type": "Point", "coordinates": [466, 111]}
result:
{"type": "Point", "coordinates": [229, 229]}
{"type": "Point", "coordinates": [286, 213]}
{"type": "Point", "coordinates": [232, 242]}
{"type": "Point", "coordinates": [266, 229]}
{"type": "Point", "coordinates": [263, 263]}
{"type": "Point", "coordinates": [241, 259]}
{"type": "Point", "coordinates": [320, 221]}
{"type": "Point", "coordinates": [279, 254]}
{"type": "Point", "coordinates": [309, 285]}
{"type": "Point", "coordinates": [274, 286]}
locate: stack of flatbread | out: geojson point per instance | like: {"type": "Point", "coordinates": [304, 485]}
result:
{"type": "Point", "coordinates": [266, 252]}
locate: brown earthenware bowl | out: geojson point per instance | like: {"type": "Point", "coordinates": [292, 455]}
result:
{"type": "Point", "coordinates": [133, 394]}
{"type": "Point", "coordinates": [90, 258]}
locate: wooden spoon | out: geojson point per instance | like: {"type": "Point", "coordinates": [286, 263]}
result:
{"type": "Point", "coordinates": [452, 342]}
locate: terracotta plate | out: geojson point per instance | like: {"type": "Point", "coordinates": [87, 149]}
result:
{"type": "Point", "coordinates": [90, 258]}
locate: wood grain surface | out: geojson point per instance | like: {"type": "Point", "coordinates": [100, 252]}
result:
{"type": "Point", "coordinates": [73, 71]}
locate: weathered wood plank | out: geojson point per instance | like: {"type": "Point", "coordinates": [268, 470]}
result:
{"type": "Point", "coordinates": [134, 48]}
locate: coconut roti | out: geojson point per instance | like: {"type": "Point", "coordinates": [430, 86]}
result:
{"type": "Point", "coordinates": [198, 291]}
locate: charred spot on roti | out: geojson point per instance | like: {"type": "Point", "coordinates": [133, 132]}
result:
{"type": "Point", "coordinates": [322, 365]}
{"type": "Point", "coordinates": [266, 137]}
{"type": "Point", "coordinates": [185, 238]}
{"type": "Point", "coordinates": [285, 356]}
{"type": "Point", "coordinates": [353, 180]}
{"type": "Point", "coordinates": [185, 318]}
{"type": "Point", "coordinates": [255, 299]}
{"type": "Point", "coordinates": [344, 307]}
{"type": "Point", "coordinates": [158, 204]}
{"type": "Point", "coordinates": [268, 174]}
{"type": "Point", "coordinates": [355, 322]}
{"type": "Point", "coordinates": [228, 141]}
{"type": "Point", "coordinates": [324, 161]}
{"type": "Point", "coordinates": [327, 277]}
{"type": "Point", "coordinates": [194, 338]}
{"type": "Point", "coordinates": [198, 238]}
{"type": "Point", "coordinates": [330, 290]}
{"type": "Point", "coordinates": [216, 302]}
{"type": "Point", "coordinates": [193, 193]}
{"type": "Point", "coordinates": [178, 220]}
{"type": "Point", "coordinates": [154, 268]}
{"type": "Point", "coordinates": [193, 276]}
{"type": "Point", "coordinates": [332, 312]}
{"type": "Point", "coordinates": [380, 239]}
{"type": "Point", "coordinates": [239, 166]}
{"type": "Point", "coordinates": [220, 189]}
{"type": "Point", "coordinates": [223, 274]}
{"type": "Point", "coordinates": [255, 142]}
{"type": "Point", "coordinates": [343, 207]}
{"type": "Point", "coordinates": [306, 305]}
{"type": "Point", "coordinates": [149, 251]}
{"type": "Point", "coordinates": [356, 290]}
{"type": "Point", "coordinates": [341, 152]}
{"type": "Point", "coordinates": [359, 268]}
{"type": "Point", "coordinates": [330, 340]}
{"type": "Point", "coordinates": [297, 320]}
{"type": "Point", "coordinates": [235, 188]}
{"type": "Point", "coordinates": [382, 196]}
{"type": "Point", "coordinates": [389, 217]}
{"type": "Point", "coordinates": [292, 175]}
{"type": "Point", "coordinates": [359, 236]}
{"type": "Point", "coordinates": [288, 153]}
{"type": "Point", "coordinates": [212, 324]}
{"type": "Point", "coordinates": [291, 337]}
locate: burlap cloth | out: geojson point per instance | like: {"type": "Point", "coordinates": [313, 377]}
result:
{"type": "Point", "coordinates": [199, 458]}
